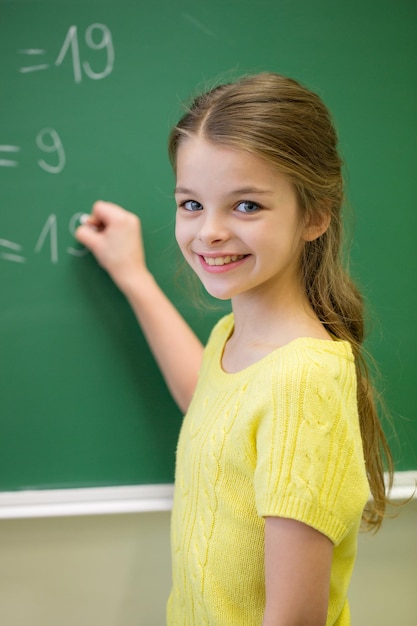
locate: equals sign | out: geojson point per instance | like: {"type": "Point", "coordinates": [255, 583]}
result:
{"type": "Point", "coordinates": [8, 162]}
{"type": "Point", "coordinates": [13, 248]}
{"type": "Point", "coordinates": [33, 68]}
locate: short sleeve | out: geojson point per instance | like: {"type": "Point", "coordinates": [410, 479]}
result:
{"type": "Point", "coordinates": [310, 464]}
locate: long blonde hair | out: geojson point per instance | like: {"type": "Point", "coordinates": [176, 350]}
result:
{"type": "Point", "coordinates": [279, 120]}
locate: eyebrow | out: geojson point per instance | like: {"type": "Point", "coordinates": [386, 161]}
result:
{"type": "Point", "coordinates": [235, 192]}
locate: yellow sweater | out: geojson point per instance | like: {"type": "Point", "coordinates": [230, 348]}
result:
{"type": "Point", "coordinates": [279, 438]}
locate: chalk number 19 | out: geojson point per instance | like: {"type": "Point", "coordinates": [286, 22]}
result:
{"type": "Point", "coordinates": [97, 37]}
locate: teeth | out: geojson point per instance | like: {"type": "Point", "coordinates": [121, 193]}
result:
{"type": "Point", "coordinates": [223, 260]}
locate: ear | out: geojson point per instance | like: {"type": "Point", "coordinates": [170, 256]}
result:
{"type": "Point", "coordinates": [317, 224]}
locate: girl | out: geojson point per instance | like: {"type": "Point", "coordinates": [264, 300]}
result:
{"type": "Point", "coordinates": [281, 442]}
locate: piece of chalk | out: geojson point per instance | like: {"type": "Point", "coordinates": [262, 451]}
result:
{"type": "Point", "coordinates": [87, 220]}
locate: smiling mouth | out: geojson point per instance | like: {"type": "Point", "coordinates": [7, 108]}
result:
{"type": "Point", "coordinates": [223, 260]}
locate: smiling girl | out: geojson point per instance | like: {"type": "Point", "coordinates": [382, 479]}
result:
{"type": "Point", "coordinates": [281, 443]}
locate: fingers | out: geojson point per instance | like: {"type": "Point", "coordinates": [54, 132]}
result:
{"type": "Point", "coordinates": [87, 233]}
{"type": "Point", "coordinates": [113, 235]}
{"type": "Point", "coordinates": [102, 214]}
{"type": "Point", "coordinates": [98, 225]}
{"type": "Point", "coordinates": [105, 213]}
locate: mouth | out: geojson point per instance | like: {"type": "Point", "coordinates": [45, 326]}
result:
{"type": "Point", "coordinates": [223, 260]}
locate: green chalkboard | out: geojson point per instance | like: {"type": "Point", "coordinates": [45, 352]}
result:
{"type": "Point", "coordinates": [89, 91]}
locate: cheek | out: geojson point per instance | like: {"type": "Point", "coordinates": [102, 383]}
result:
{"type": "Point", "coordinates": [178, 230]}
{"type": "Point", "coordinates": [181, 234]}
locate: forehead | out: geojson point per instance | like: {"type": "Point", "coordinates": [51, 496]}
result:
{"type": "Point", "coordinates": [198, 158]}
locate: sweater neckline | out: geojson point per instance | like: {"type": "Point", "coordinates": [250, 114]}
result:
{"type": "Point", "coordinates": [336, 346]}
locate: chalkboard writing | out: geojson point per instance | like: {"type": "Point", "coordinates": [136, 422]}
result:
{"type": "Point", "coordinates": [48, 141]}
{"type": "Point", "coordinates": [97, 37]}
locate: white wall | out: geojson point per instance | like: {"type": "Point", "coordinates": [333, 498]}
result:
{"type": "Point", "coordinates": [114, 570]}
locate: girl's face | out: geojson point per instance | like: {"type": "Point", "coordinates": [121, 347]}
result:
{"type": "Point", "coordinates": [238, 223]}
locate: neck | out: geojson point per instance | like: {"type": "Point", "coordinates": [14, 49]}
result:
{"type": "Point", "coordinates": [275, 320]}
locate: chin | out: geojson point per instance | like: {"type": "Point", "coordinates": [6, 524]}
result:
{"type": "Point", "coordinates": [219, 294]}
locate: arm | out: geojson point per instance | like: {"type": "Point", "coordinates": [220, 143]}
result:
{"type": "Point", "coordinates": [114, 237]}
{"type": "Point", "coordinates": [298, 560]}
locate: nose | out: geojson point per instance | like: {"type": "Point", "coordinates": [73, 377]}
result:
{"type": "Point", "coordinates": [213, 229]}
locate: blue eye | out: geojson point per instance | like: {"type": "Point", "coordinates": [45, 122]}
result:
{"type": "Point", "coordinates": [247, 207]}
{"type": "Point", "coordinates": [192, 205]}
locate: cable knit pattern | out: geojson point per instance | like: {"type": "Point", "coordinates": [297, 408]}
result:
{"type": "Point", "coordinates": [279, 438]}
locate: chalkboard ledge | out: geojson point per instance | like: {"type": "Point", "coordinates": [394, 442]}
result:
{"type": "Point", "coordinates": [125, 499]}
{"type": "Point", "coordinates": [91, 501]}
